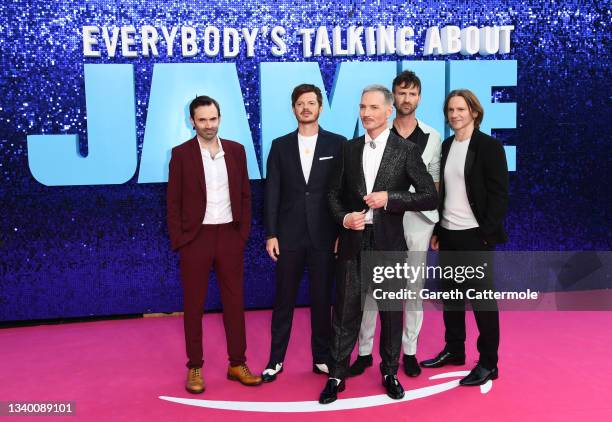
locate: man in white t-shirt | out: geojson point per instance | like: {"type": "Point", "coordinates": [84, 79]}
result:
{"type": "Point", "coordinates": [300, 231]}
{"type": "Point", "coordinates": [473, 205]}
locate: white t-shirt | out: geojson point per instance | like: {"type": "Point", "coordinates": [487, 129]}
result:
{"type": "Point", "coordinates": [307, 145]}
{"type": "Point", "coordinates": [457, 213]}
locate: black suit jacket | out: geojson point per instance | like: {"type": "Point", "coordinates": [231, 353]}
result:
{"type": "Point", "coordinates": [486, 183]}
{"type": "Point", "coordinates": [293, 208]}
{"type": "Point", "coordinates": [401, 167]}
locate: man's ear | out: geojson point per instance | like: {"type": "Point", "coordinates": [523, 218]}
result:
{"type": "Point", "coordinates": [389, 111]}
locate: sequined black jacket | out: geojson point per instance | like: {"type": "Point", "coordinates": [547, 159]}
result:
{"type": "Point", "coordinates": [401, 167]}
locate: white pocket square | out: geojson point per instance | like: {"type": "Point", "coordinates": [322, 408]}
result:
{"type": "Point", "coordinates": [326, 158]}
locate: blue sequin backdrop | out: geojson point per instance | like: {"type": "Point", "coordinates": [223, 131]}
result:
{"type": "Point", "coordinates": [103, 250]}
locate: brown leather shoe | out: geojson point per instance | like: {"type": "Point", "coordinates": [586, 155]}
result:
{"type": "Point", "coordinates": [195, 381]}
{"type": "Point", "coordinates": [243, 374]}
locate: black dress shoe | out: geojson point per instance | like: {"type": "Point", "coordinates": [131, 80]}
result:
{"type": "Point", "coordinates": [444, 358]}
{"type": "Point", "coordinates": [360, 365]}
{"type": "Point", "coordinates": [331, 390]}
{"type": "Point", "coordinates": [479, 375]}
{"type": "Point", "coordinates": [269, 374]}
{"type": "Point", "coordinates": [411, 366]}
{"type": "Point", "coordinates": [393, 387]}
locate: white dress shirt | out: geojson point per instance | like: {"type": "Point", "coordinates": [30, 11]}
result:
{"type": "Point", "coordinates": [458, 214]}
{"type": "Point", "coordinates": [371, 162]}
{"type": "Point", "coordinates": [307, 145]}
{"type": "Point", "coordinates": [218, 205]}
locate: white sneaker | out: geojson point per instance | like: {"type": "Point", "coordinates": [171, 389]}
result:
{"type": "Point", "coordinates": [269, 374]}
{"type": "Point", "coordinates": [322, 367]}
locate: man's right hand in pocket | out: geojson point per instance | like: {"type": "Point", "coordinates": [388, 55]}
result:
{"type": "Point", "coordinates": [272, 248]}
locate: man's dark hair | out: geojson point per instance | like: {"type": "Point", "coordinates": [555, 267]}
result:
{"type": "Point", "coordinates": [407, 79]}
{"type": "Point", "coordinates": [299, 90]}
{"type": "Point", "coordinates": [203, 100]}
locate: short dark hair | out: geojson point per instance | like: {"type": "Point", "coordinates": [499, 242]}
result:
{"type": "Point", "coordinates": [299, 90]}
{"type": "Point", "coordinates": [472, 102]}
{"type": "Point", "coordinates": [203, 100]}
{"type": "Point", "coordinates": [407, 79]}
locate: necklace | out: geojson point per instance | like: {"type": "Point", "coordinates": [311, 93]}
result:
{"type": "Point", "coordinates": [372, 144]}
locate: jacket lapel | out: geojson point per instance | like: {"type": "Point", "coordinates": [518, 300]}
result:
{"type": "Point", "coordinates": [471, 154]}
{"type": "Point", "coordinates": [197, 162]}
{"type": "Point", "coordinates": [390, 155]}
{"type": "Point", "coordinates": [445, 150]}
{"type": "Point", "coordinates": [294, 147]}
{"type": "Point", "coordinates": [230, 165]}
{"type": "Point", "coordinates": [361, 185]}
{"type": "Point", "coordinates": [321, 150]}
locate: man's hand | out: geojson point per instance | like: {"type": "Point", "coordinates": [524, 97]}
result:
{"type": "Point", "coordinates": [376, 199]}
{"type": "Point", "coordinates": [355, 220]}
{"type": "Point", "coordinates": [272, 248]}
{"type": "Point", "coordinates": [435, 245]}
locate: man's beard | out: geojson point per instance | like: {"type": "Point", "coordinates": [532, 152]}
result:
{"type": "Point", "coordinates": [407, 110]}
{"type": "Point", "coordinates": [313, 117]}
{"type": "Point", "coordinates": [208, 136]}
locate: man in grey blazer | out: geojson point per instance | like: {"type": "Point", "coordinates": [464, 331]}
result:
{"type": "Point", "coordinates": [418, 226]}
{"type": "Point", "coordinates": [369, 193]}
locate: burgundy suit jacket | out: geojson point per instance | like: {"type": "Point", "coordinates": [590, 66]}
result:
{"type": "Point", "coordinates": [186, 194]}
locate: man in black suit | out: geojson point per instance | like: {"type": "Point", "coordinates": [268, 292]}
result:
{"type": "Point", "coordinates": [368, 195]}
{"type": "Point", "coordinates": [300, 230]}
{"type": "Point", "coordinates": [473, 205]}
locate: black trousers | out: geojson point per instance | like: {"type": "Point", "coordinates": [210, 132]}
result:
{"type": "Point", "coordinates": [347, 314]}
{"type": "Point", "coordinates": [289, 271]}
{"type": "Point", "coordinates": [452, 243]}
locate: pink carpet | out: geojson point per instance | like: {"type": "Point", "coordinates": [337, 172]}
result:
{"type": "Point", "coordinates": [553, 366]}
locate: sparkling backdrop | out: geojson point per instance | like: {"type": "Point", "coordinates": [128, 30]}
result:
{"type": "Point", "coordinates": [102, 250]}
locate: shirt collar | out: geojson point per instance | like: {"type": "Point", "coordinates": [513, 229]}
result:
{"type": "Point", "coordinates": [220, 145]}
{"type": "Point", "coordinates": [380, 139]}
{"type": "Point", "coordinates": [412, 137]}
{"type": "Point", "coordinates": [221, 152]}
{"type": "Point", "coordinates": [308, 138]}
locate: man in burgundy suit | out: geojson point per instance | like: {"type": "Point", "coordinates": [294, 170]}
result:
{"type": "Point", "coordinates": [209, 218]}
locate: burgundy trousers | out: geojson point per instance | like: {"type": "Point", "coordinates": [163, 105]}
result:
{"type": "Point", "coordinates": [220, 246]}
